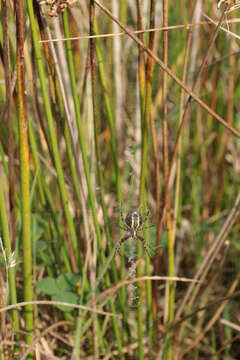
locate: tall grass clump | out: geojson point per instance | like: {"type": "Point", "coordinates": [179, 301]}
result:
{"type": "Point", "coordinates": [119, 186]}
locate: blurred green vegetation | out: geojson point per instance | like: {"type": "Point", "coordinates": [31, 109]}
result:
{"type": "Point", "coordinates": [86, 116]}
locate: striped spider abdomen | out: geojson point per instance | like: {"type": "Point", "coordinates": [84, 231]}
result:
{"type": "Point", "coordinates": [134, 220]}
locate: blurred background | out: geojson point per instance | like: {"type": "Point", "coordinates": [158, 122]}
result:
{"type": "Point", "coordinates": [105, 108]}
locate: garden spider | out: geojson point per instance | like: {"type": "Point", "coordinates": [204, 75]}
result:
{"type": "Point", "coordinates": [133, 223]}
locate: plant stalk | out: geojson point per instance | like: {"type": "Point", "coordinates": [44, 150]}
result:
{"type": "Point", "coordinates": [24, 176]}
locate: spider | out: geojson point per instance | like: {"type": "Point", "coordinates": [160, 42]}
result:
{"type": "Point", "coordinates": [133, 223]}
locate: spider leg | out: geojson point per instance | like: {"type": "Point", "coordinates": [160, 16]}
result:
{"type": "Point", "coordinates": [146, 247]}
{"type": "Point", "coordinates": [144, 219]}
{"type": "Point", "coordinates": [146, 216]}
{"type": "Point", "coordinates": [125, 238]}
{"type": "Point", "coordinates": [123, 228]}
{"type": "Point", "coordinates": [149, 226]}
{"type": "Point", "coordinates": [122, 217]}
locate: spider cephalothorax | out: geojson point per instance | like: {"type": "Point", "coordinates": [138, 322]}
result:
{"type": "Point", "coordinates": [133, 223]}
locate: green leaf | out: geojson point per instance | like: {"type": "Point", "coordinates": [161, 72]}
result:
{"type": "Point", "coordinates": [68, 297]}
{"type": "Point", "coordinates": [164, 240]}
{"type": "Point", "coordinates": [67, 281]}
{"type": "Point", "coordinates": [40, 245]}
{"type": "Point", "coordinates": [47, 285]}
{"type": "Point", "coordinates": [152, 236]}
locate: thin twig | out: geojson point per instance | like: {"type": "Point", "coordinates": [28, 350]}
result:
{"type": "Point", "coordinates": [162, 28]}
{"type": "Point", "coordinates": [55, 303]}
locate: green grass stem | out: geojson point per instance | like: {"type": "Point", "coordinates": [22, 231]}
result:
{"type": "Point", "coordinates": [46, 196]}
{"type": "Point", "coordinates": [8, 170]}
{"type": "Point", "coordinates": [90, 104]}
{"type": "Point", "coordinates": [7, 245]}
{"type": "Point", "coordinates": [110, 119]}
{"type": "Point", "coordinates": [87, 172]}
{"type": "Point", "coordinates": [24, 178]}
{"type": "Point", "coordinates": [49, 118]}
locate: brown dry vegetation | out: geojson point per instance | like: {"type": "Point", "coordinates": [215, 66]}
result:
{"type": "Point", "coordinates": [92, 127]}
